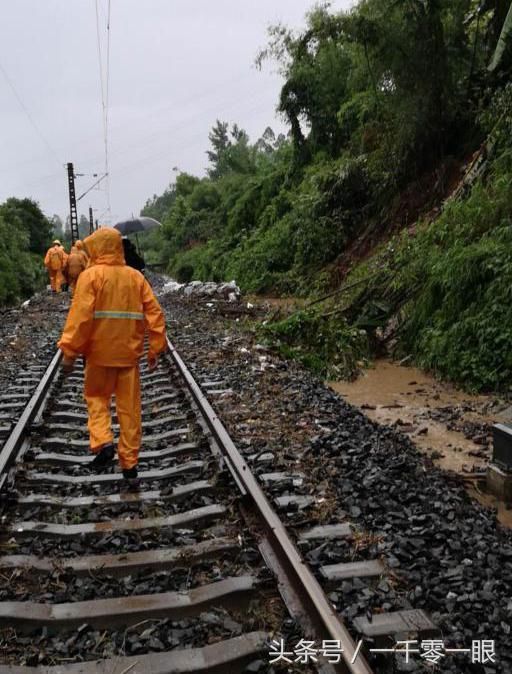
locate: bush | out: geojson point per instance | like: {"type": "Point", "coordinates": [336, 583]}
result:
{"type": "Point", "coordinates": [460, 324]}
{"type": "Point", "coordinates": [184, 273]}
{"type": "Point", "coordinates": [21, 272]}
{"type": "Point", "coordinates": [261, 262]}
{"type": "Point", "coordinates": [448, 286]}
{"type": "Point", "coordinates": [325, 343]}
{"type": "Point", "coordinates": [193, 264]}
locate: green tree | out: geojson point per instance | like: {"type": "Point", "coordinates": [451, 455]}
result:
{"type": "Point", "coordinates": [25, 234]}
{"type": "Point", "coordinates": [57, 227]}
{"type": "Point", "coordinates": [83, 226]}
{"type": "Point", "coordinates": [26, 213]}
{"type": "Point", "coordinates": [376, 100]}
{"type": "Point", "coordinates": [230, 151]}
{"type": "Point", "coordinates": [219, 139]}
{"type": "Point", "coordinates": [158, 206]}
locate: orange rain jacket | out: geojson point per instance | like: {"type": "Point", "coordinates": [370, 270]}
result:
{"type": "Point", "coordinates": [112, 308]}
{"type": "Point", "coordinates": [55, 258]}
{"type": "Point", "coordinates": [77, 260]}
{"type": "Point", "coordinates": [80, 246]}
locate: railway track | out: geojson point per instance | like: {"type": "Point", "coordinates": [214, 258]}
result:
{"type": "Point", "coordinates": [194, 572]}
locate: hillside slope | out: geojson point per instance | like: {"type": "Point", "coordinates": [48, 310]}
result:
{"type": "Point", "coordinates": [386, 105]}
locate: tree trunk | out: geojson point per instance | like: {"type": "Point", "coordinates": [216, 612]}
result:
{"type": "Point", "coordinates": [504, 40]}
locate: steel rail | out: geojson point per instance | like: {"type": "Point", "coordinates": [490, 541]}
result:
{"type": "Point", "coordinates": [299, 587]}
{"type": "Point", "coordinates": [315, 610]}
{"type": "Point", "coordinates": [17, 436]}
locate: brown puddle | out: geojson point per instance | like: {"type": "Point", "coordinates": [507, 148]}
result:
{"type": "Point", "coordinates": [446, 424]}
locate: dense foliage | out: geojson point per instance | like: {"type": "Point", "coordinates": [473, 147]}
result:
{"type": "Point", "coordinates": [446, 285]}
{"type": "Point", "coordinates": [374, 97]}
{"type": "Point", "coordinates": [25, 234]}
{"type": "Point", "coordinates": [324, 342]}
{"type": "Point", "coordinates": [384, 103]}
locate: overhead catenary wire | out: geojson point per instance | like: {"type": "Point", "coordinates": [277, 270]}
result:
{"type": "Point", "coordinates": [161, 135]}
{"type": "Point", "coordinates": [104, 89]}
{"type": "Point", "coordinates": [92, 187]}
{"type": "Point", "coordinates": [214, 105]}
{"type": "Point", "coordinates": [146, 115]}
{"type": "Point", "coordinates": [100, 61]}
{"type": "Point", "coordinates": [107, 102]}
{"type": "Point", "coordinates": [164, 153]}
{"type": "Point", "coordinates": [28, 115]}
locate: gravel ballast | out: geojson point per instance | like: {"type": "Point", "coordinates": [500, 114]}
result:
{"type": "Point", "coordinates": [445, 553]}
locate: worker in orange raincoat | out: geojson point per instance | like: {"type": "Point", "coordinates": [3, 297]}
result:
{"type": "Point", "coordinates": [77, 261]}
{"type": "Point", "coordinates": [55, 261]}
{"type": "Point", "coordinates": [112, 309]}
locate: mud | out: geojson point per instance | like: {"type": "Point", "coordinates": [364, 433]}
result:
{"type": "Point", "coordinates": [453, 428]}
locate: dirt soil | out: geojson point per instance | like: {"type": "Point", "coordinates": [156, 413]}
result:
{"type": "Point", "coordinates": [453, 428]}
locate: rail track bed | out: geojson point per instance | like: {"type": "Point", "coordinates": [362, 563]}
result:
{"type": "Point", "coordinates": [89, 571]}
{"type": "Point", "coordinates": [197, 571]}
{"type": "Point", "coordinates": [192, 572]}
{"type": "Point", "coordinates": [442, 551]}
{"type": "Point", "coordinates": [27, 344]}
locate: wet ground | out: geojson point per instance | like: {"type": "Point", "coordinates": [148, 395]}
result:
{"type": "Point", "coordinates": [447, 553]}
{"type": "Point", "coordinates": [28, 330]}
{"type": "Point", "coordinates": [451, 427]}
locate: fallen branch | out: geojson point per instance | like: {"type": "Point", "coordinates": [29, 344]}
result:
{"type": "Point", "coordinates": [341, 289]}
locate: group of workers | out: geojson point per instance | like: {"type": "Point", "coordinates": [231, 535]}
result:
{"type": "Point", "coordinates": [112, 311]}
{"type": "Point", "coordinates": [63, 268]}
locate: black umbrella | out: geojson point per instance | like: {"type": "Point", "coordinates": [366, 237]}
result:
{"type": "Point", "coordinates": [141, 224]}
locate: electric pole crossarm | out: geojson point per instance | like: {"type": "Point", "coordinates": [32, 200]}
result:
{"type": "Point", "coordinates": [92, 186]}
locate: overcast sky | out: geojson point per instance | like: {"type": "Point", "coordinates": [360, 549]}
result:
{"type": "Point", "coordinates": [175, 67]}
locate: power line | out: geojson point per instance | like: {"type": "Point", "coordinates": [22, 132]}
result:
{"type": "Point", "coordinates": [159, 136]}
{"type": "Point", "coordinates": [167, 152]}
{"type": "Point", "coordinates": [107, 183]}
{"type": "Point", "coordinates": [100, 60]}
{"type": "Point", "coordinates": [91, 187]}
{"type": "Point", "coordinates": [104, 88]}
{"type": "Point", "coordinates": [163, 110]}
{"type": "Point", "coordinates": [29, 116]}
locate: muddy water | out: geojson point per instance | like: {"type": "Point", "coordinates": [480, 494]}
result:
{"type": "Point", "coordinates": [449, 426]}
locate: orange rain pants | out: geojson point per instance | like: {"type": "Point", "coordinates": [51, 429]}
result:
{"type": "Point", "coordinates": [56, 279]}
{"type": "Point", "coordinates": [101, 383]}
{"type": "Point", "coordinates": [72, 280]}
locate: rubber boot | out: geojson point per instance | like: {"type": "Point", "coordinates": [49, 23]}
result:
{"type": "Point", "coordinates": [131, 481]}
{"type": "Point", "coordinates": [103, 458]}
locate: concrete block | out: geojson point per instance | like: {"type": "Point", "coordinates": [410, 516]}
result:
{"type": "Point", "coordinates": [499, 483]}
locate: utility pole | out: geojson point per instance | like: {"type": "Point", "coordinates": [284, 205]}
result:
{"type": "Point", "coordinates": [73, 215]}
{"type": "Point", "coordinates": [91, 221]}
